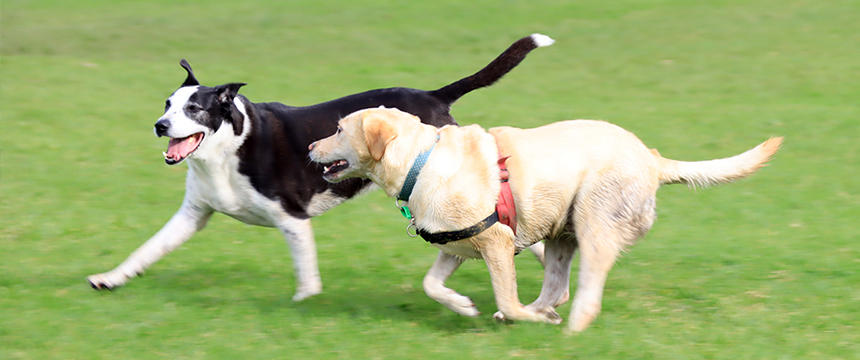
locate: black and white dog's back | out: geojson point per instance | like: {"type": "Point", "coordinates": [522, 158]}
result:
{"type": "Point", "coordinates": [249, 160]}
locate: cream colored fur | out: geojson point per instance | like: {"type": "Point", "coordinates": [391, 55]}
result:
{"type": "Point", "coordinates": [579, 184]}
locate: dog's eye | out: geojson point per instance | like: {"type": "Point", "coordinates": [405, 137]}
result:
{"type": "Point", "coordinates": [193, 108]}
{"type": "Point", "coordinates": [338, 130]}
{"type": "Point", "coordinates": [166, 105]}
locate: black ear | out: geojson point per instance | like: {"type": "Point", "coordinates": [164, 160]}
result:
{"type": "Point", "coordinates": [190, 80]}
{"type": "Point", "coordinates": [227, 92]}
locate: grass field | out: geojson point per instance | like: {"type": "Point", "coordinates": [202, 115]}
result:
{"type": "Point", "coordinates": [763, 269]}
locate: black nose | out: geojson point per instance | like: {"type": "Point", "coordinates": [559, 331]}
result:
{"type": "Point", "coordinates": [161, 127]}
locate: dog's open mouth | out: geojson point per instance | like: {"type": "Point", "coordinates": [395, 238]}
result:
{"type": "Point", "coordinates": [179, 148]}
{"type": "Point", "coordinates": [331, 170]}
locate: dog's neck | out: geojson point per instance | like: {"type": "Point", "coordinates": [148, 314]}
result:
{"type": "Point", "coordinates": [459, 184]}
{"type": "Point", "coordinates": [390, 173]}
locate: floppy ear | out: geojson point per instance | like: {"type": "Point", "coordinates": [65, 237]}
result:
{"type": "Point", "coordinates": [190, 80]}
{"type": "Point", "coordinates": [377, 134]}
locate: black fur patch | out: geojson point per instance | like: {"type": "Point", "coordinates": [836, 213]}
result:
{"type": "Point", "coordinates": [212, 106]}
{"type": "Point", "coordinates": [275, 153]}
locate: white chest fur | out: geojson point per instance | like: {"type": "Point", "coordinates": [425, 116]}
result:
{"type": "Point", "coordinates": [214, 180]}
{"type": "Point", "coordinates": [221, 187]}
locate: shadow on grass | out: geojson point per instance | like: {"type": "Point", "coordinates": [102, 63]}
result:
{"type": "Point", "coordinates": [363, 297]}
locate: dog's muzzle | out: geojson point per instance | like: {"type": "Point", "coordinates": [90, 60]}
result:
{"type": "Point", "coordinates": [161, 127]}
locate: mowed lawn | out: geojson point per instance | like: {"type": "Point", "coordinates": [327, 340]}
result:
{"type": "Point", "coordinates": [766, 268]}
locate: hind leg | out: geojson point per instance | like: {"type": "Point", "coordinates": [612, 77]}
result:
{"type": "Point", "coordinates": [595, 262]}
{"type": "Point", "coordinates": [606, 219]}
{"type": "Point", "coordinates": [556, 283]}
{"type": "Point", "coordinates": [300, 238]}
{"type": "Point", "coordinates": [540, 251]}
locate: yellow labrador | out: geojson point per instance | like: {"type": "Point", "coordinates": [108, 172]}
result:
{"type": "Point", "coordinates": [576, 184]}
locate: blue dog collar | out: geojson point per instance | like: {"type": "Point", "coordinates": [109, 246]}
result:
{"type": "Point", "coordinates": [412, 175]}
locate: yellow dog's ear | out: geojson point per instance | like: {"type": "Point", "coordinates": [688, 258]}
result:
{"type": "Point", "coordinates": [378, 132]}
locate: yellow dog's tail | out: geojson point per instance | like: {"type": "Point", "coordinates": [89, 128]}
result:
{"type": "Point", "coordinates": [718, 171]}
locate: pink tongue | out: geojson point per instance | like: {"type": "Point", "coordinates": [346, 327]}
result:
{"type": "Point", "coordinates": [180, 148]}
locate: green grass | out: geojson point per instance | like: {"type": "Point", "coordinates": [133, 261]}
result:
{"type": "Point", "coordinates": [763, 269]}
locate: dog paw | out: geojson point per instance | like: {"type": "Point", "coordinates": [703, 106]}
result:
{"type": "Point", "coordinates": [498, 316]}
{"type": "Point", "coordinates": [573, 328]}
{"type": "Point", "coordinates": [550, 316]}
{"type": "Point", "coordinates": [106, 281]}
{"type": "Point", "coordinates": [462, 305]}
{"type": "Point", "coordinates": [582, 315]}
{"type": "Point", "coordinates": [468, 311]}
{"type": "Point", "coordinates": [302, 294]}
{"type": "Point", "coordinates": [546, 315]}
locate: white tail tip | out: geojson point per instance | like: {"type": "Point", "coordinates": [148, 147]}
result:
{"type": "Point", "coordinates": [542, 40]}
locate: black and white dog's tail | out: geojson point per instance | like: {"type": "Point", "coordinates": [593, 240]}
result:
{"type": "Point", "coordinates": [509, 59]}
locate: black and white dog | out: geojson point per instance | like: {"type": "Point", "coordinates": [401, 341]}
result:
{"type": "Point", "coordinates": [250, 160]}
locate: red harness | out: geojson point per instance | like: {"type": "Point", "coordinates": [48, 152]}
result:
{"type": "Point", "coordinates": [505, 205]}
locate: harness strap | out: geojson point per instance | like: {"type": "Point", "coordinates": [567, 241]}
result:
{"type": "Point", "coordinates": [505, 206]}
{"type": "Point", "coordinates": [448, 236]}
{"type": "Point", "coordinates": [506, 211]}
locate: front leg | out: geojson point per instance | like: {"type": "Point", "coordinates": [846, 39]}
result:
{"type": "Point", "coordinates": [300, 237]}
{"type": "Point", "coordinates": [498, 253]}
{"type": "Point", "coordinates": [188, 220]}
{"type": "Point", "coordinates": [434, 285]}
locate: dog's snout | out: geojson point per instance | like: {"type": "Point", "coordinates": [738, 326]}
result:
{"type": "Point", "coordinates": [161, 127]}
{"type": "Point", "coordinates": [312, 145]}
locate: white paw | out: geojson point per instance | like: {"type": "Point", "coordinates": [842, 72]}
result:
{"type": "Point", "coordinates": [107, 281]}
{"type": "Point", "coordinates": [582, 316]}
{"type": "Point", "coordinates": [546, 315]}
{"type": "Point", "coordinates": [498, 316]}
{"type": "Point", "coordinates": [550, 316]}
{"type": "Point", "coordinates": [574, 327]}
{"type": "Point", "coordinates": [462, 305]}
{"type": "Point", "coordinates": [302, 294]}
